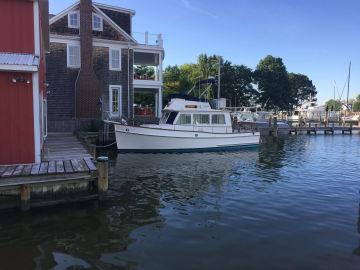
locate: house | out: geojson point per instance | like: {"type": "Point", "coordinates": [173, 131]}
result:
{"type": "Point", "coordinates": [95, 64]}
{"type": "Point", "coordinates": [23, 42]}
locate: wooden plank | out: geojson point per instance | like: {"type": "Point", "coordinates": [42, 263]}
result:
{"type": "Point", "coordinates": [35, 169]}
{"type": "Point", "coordinates": [18, 170]}
{"type": "Point", "coordinates": [52, 167]}
{"type": "Point", "coordinates": [9, 171]}
{"type": "Point", "coordinates": [27, 170]}
{"type": "Point", "coordinates": [90, 164]}
{"type": "Point", "coordinates": [75, 165]}
{"type": "Point", "coordinates": [60, 166]}
{"type": "Point", "coordinates": [2, 169]}
{"type": "Point", "coordinates": [83, 166]}
{"type": "Point", "coordinates": [68, 167]}
{"type": "Point", "coordinates": [44, 168]}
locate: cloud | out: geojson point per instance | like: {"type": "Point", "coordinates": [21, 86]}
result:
{"type": "Point", "coordinates": [189, 6]}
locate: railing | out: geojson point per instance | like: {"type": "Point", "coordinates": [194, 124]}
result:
{"type": "Point", "coordinates": [149, 39]}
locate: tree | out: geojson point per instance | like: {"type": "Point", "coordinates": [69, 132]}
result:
{"type": "Point", "coordinates": [237, 84]}
{"type": "Point", "coordinates": [302, 88]}
{"type": "Point", "coordinates": [273, 84]}
{"type": "Point", "coordinates": [333, 105]}
{"type": "Point", "coordinates": [356, 106]}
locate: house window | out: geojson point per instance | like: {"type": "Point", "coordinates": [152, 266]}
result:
{"type": "Point", "coordinates": [115, 59]}
{"type": "Point", "coordinates": [74, 19]}
{"type": "Point", "coordinates": [97, 22]}
{"type": "Point", "coordinates": [201, 119]}
{"type": "Point", "coordinates": [184, 119]}
{"type": "Point", "coordinates": [115, 100]}
{"type": "Point", "coordinates": [73, 56]}
{"type": "Point", "coordinates": [218, 119]}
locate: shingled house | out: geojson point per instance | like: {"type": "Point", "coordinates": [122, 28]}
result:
{"type": "Point", "coordinates": [92, 66]}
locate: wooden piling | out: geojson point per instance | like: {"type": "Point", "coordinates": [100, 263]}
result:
{"type": "Point", "coordinates": [103, 178]}
{"type": "Point", "coordinates": [275, 130]}
{"type": "Point", "coordinates": [25, 197]}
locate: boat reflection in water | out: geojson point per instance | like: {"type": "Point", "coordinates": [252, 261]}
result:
{"type": "Point", "coordinates": [274, 205]}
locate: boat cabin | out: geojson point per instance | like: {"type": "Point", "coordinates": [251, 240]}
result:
{"type": "Point", "coordinates": [185, 115]}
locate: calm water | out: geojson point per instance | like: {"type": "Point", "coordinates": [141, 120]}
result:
{"type": "Point", "coordinates": [289, 205]}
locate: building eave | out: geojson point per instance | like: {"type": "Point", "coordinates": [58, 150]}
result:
{"type": "Point", "coordinates": [18, 68]}
{"type": "Point", "coordinates": [114, 8]}
{"type": "Point", "coordinates": [63, 13]}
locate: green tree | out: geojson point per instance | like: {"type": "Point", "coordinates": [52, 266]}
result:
{"type": "Point", "coordinates": [273, 84]}
{"type": "Point", "coordinates": [237, 84]}
{"type": "Point", "coordinates": [145, 70]}
{"type": "Point", "coordinates": [333, 105]}
{"type": "Point", "coordinates": [356, 106]}
{"type": "Point", "coordinates": [302, 88]}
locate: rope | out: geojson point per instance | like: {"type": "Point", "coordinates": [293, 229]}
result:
{"type": "Point", "coordinates": [102, 146]}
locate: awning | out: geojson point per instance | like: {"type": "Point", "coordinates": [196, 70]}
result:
{"type": "Point", "coordinates": [18, 62]}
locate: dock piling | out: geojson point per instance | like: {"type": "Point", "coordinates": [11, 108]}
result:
{"type": "Point", "coordinates": [103, 178]}
{"type": "Point", "coordinates": [25, 197]}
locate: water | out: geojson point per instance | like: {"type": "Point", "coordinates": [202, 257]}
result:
{"type": "Point", "coordinates": [287, 205]}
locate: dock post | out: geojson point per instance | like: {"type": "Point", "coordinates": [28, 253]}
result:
{"type": "Point", "coordinates": [103, 178]}
{"type": "Point", "coordinates": [25, 197]}
{"type": "Point", "coordinates": [351, 127]}
{"type": "Point", "coordinates": [275, 132]}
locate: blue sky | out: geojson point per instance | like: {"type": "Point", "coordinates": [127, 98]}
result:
{"type": "Point", "coordinates": [314, 37]}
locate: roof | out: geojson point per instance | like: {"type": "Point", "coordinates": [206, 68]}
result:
{"type": "Point", "coordinates": [18, 62]}
{"type": "Point", "coordinates": [119, 9]}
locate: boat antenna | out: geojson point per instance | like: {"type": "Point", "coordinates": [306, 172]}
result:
{"type": "Point", "coordinates": [219, 80]}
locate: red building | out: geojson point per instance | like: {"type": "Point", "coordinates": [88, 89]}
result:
{"type": "Point", "coordinates": [23, 43]}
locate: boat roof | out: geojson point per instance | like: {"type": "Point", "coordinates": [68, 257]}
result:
{"type": "Point", "coordinates": [183, 105]}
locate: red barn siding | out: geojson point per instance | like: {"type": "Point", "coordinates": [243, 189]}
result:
{"type": "Point", "coordinates": [17, 26]}
{"type": "Point", "coordinates": [16, 118]}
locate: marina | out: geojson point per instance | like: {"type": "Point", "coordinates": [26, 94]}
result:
{"type": "Point", "coordinates": [206, 210]}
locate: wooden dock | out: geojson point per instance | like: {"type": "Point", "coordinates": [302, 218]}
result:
{"type": "Point", "coordinates": [52, 182]}
{"type": "Point", "coordinates": [323, 129]}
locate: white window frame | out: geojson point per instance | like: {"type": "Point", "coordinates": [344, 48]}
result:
{"type": "Point", "coordinates": [101, 22]}
{"type": "Point", "coordinates": [69, 21]}
{"type": "Point", "coordinates": [68, 55]}
{"type": "Point", "coordinates": [111, 60]}
{"type": "Point", "coordinates": [111, 87]}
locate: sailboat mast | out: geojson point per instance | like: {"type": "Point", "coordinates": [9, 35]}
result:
{"type": "Point", "coordinates": [347, 97]}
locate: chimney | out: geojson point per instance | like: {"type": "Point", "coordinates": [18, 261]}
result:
{"type": "Point", "coordinates": [88, 90]}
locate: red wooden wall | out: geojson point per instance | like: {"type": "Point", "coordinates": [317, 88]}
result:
{"type": "Point", "coordinates": [16, 118]}
{"type": "Point", "coordinates": [17, 26]}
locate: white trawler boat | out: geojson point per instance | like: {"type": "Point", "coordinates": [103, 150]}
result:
{"type": "Point", "coordinates": [185, 126]}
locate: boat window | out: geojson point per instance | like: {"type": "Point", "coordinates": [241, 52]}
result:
{"type": "Point", "coordinates": [184, 119]}
{"type": "Point", "coordinates": [296, 113]}
{"type": "Point", "coordinates": [201, 119]}
{"type": "Point", "coordinates": [218, 119]}
{"type": "Point", "coordinates": [164, 117]}
{"type": "Point", "coordinates": [171, 118]}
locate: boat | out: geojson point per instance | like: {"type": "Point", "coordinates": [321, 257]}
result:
{"type": "Point", "coordinates": [186, 125]}
{"type": "Point", "coordinates": [249, 117]}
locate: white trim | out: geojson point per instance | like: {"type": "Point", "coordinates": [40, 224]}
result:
{"type": "Point", "coordinates": [36, 109]}
{"type": "Point", "coordinates": [18, 68]}
{"type": "Point", "coordinates": [119, 9]}
{"type": "Point", "coordinates": [101, 22]}
{"type": "Point", "coordinates": [110, 58]}
{"type": "Point", "coordinates": [69, 21]}
{"type": "Point", "coordinates": [36, 28]}
{"type": "Point", "coordinates": [63, 13]}
{"type": "Point", "coordinates": [97, 42]}
{"type": "Point", "coordinates": [68, 55]}
{"type": "Point", "coordinates": [111, 87]}
{"type": "Point", "coordinates": [114, 25]}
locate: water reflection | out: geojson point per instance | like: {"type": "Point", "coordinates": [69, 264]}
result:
{"type": "Point", "coordinates": [227, 210]}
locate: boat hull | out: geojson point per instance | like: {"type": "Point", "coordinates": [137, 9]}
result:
{"type": "Point", "coordinates": [141, 139]}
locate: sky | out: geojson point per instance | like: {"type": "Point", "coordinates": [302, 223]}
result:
{"type": "Point", "coordinates": [317, 38]}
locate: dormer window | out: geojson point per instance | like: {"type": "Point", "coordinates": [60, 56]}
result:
{"type": "Point", "coordinates": [74, 19]}
{"type": "Point", "coordinates": [97, 22]}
